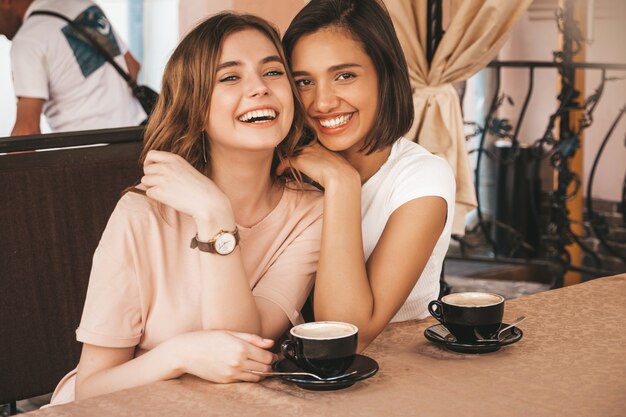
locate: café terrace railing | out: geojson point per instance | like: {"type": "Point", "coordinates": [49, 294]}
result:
{"type": "Point", "coordinates": [558, 147]}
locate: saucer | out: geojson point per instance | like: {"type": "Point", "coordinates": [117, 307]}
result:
{"type": "Point", "coordinates": [364, 366]}
{"type": "Point", "coordinates": [437, 334]}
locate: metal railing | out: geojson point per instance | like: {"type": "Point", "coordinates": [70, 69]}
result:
{"type": "Point", "coordinates": [556, 147]}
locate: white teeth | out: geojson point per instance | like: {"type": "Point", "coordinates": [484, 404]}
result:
{"type": "Point", "coordinates": [336, 121]}
{"type": "Point", "coordinates": [256, 114]}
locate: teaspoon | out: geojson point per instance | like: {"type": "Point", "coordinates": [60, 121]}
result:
{"type": "Point", "coordinates": [501, 331]}
{"type": "Point", "coordinates": [319, 378]}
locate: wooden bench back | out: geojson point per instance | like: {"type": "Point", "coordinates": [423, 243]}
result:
{"type": "Point", "coordinates": [53, 209]}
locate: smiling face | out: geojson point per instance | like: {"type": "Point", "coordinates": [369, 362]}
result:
{"type": "Point", "coordinates": [339, 87]}
{"type": "Point", "coordinates": [251, 104]}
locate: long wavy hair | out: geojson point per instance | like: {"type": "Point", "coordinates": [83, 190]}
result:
{"type": "Point", "coordinates": [178, 121]}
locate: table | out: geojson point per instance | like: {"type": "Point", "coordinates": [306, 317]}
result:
{"type": "Point", "coordinates": [571, 362]}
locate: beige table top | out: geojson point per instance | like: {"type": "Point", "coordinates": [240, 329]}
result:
{"type": "Point", "coordinates": [571, 362]}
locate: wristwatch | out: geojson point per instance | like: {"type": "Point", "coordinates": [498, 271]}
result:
{"type": "Point", "coordinates": [223, 243]}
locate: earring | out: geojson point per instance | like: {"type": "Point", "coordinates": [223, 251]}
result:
{"type": "Point", "coordinates": [203, 138]}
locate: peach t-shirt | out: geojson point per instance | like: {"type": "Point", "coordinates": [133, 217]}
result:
{"type": "Point", "coordinates": [145, 282]}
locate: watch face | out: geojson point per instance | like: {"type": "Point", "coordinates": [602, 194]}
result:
{"type": "Point", "coordinates": [225, 244]}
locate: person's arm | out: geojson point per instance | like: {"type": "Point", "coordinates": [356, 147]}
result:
{"type": "Point", "coordinates": [30, 83]}
{"type": "Point", "coordinates": [28, 116]}
{"type": "Point", "coordinates": [227, 297]}
{"type": "Point", "coordinates": [216, 356]}
{"type": "Point", "coordinates": [370, 297]}
{"type": "Point", "coordinates": [133, 65]}
{"type": "Point", "coordinates": [284, 287]}
{"type": "Point", "coordinates": [346, 289]}
{"type": "Point", "coordinates": [112, 324]}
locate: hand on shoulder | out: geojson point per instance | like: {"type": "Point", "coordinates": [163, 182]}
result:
{"type": "Point", "coordinates": [321, 165]}
{"type": "Point", "coordinates": [171, 180]}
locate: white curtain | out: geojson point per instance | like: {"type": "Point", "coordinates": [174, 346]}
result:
{"type": "Point", "coordinates": [476, 32]}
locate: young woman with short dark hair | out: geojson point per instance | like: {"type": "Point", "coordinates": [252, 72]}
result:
{"type": "Point", "coordinates": [387, 202]}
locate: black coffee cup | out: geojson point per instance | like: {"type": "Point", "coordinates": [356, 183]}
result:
{"type": "Point", "coordinates": [469, 316]}
{"type": "Point", "coordinates": [324, 348]}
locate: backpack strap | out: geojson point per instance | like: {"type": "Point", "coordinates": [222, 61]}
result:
{"type": "Point", "coordinates": [89, 38]}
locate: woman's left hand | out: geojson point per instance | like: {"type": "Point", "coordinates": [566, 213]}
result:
{"type": "Point", "coordinates": [173, 181]}
{"type": "Point", "coordinates": [320, 164]}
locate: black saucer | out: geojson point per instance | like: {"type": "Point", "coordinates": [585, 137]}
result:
{"type": "Point", "coordinates": [437, 334]}
{"type": "Point", "coordinates": [364, 366]}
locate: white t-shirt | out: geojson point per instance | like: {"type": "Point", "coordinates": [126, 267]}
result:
{"type": "Point", "coordinates": [82, 90]}
{"type": "Point", "coordinates": [410, 172]}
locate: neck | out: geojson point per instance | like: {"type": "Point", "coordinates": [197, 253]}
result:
{"type": "Point", "coordinates": [367, 165]}
{"type": "Point", "coordinates": [237, 174]}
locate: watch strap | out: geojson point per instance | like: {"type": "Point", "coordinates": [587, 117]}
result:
{"type": "Point", "coordinates": [209, 246]}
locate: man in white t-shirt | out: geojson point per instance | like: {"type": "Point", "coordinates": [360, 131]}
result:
{"type": "Point", "coordinates": [60, 74]}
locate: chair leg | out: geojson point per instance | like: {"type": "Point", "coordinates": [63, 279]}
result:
{"type": "Point", "coordinates": [12, 408]}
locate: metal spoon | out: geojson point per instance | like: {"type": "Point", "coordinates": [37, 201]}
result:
{"type": "Point", "coordinates": [501, 331]}
{"type": "Point", "coordinates": [515, 323]}
{"type": "Point", "coordinates": [319, 378]}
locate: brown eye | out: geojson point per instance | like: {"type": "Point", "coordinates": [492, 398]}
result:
{"type": "Point", "coordinates": [303, 83]}
{"type": "Point", "coordinates": [346, 76]}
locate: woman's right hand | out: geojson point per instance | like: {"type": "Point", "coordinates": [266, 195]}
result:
{"type": "Point", "coordinates": [223, 356]}
{"type": "Point", "coordinates": [173, 181]}
{"type": "Point", "coordinates": [320, 164]}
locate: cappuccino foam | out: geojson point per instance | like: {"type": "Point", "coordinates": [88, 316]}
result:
{"type": "Point", "coordinates": [324, 330]}
{"type": "Point", "coordinates": [472, 299]}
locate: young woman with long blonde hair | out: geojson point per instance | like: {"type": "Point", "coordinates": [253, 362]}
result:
{"type": "Point", "coordinates": [205, 265]}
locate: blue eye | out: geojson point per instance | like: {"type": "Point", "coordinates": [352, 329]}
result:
{"type": "Point", "coordinates": [229, 78]}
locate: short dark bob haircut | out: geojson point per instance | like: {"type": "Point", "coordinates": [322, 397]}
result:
{"type": "Point", "coordinates": [368, 22]}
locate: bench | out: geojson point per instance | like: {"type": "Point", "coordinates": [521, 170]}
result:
{"type": "Point", "coordinates": [54, 206]}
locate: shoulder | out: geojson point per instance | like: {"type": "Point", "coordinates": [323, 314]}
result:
{"type": "Point", "coordinates": [136, 203]}
{"type": "Point", "coordinates": [136, 217]}
{"type": "Point", "coordinates": [134, 210]}
{"type": "Point", "coordinates": [26, 47]}
{"type": "Point", "coordinates": [43, 27]}
{"type": "Point", "coordinates": [34, 34]}
{"type": "Point", "coordinates": [68, 8]}
{"type": "Point", "coordinates": [415, 172]}
{"type": "Point", "coordinates": [411, 153]}
{"type": "Point", "coordinates": [306, 201]}
{"type": "Point", "coordinates": [413, 162]}
{"type": "Point", "coordinates": [39, 31]}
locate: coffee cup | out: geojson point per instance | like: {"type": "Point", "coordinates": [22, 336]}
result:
{"type": "Point", "coordinates": [469, 316]}
{"type": "Point", "coordinates": [324, 348]}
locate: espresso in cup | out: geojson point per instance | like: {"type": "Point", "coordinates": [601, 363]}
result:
{"type": "Point", "coordinates": [324, 348]}
{"type": "Point", "coordinates": [469, 316]}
